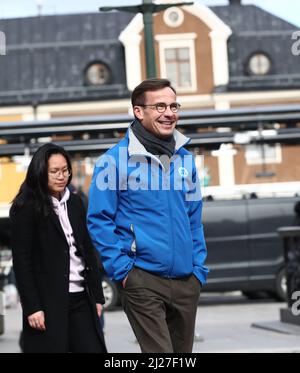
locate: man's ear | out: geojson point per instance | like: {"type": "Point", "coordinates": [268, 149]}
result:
{"type": "Point", "coordinates": [138, 112]}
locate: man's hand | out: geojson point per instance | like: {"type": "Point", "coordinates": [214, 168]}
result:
{"type": "Point", "coordinates": [37, 320]}
{"type": "Point", "coordinates": [124, 281]}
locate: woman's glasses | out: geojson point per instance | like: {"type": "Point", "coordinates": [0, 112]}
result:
{"type": "Point", "coordinates": [55, 174]}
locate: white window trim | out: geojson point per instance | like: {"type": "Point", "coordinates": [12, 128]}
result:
{"type": "Point", "coordinates": [219, 36]}
{"type": "Point", "coordinates": [131, 39]}
{"type": "Point", "coordinates": [184, 40]}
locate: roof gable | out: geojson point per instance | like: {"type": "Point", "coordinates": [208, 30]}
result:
{"type": "Point", "coordinates": [219, 34]}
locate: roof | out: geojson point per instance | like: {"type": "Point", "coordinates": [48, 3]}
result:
{"type": "Point", "coordinates": [254, 31]}
{"type": "Point", "coordinates": [61, 28]}
{"type": "Point", "coordinates": [242, 18]}
{"type": "Point", "coordinates": [46, 57]}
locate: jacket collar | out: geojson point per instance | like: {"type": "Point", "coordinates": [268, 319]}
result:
{"type": "Point", "coordinates": [136, 148]}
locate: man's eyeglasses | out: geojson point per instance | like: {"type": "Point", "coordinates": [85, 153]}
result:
{"type": "Point", "coordinates": [161, 107]}
{"type": "Point", "coordinates": [56, 174]}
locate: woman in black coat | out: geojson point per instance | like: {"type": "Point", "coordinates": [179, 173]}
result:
{"type": "Point", "coordinates": [54, 260]}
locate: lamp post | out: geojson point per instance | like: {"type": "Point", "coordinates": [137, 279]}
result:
{"type": "Point", "coordinates": [147, 9]}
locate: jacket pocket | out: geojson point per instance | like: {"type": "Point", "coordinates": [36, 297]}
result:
{"type": "Point", "coordinates": [129, 275]}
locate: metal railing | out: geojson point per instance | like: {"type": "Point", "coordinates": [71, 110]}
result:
{"type": "Point", "coordinates": [88, 133]}
{"type": "Point", "coordinates": [291, 246]}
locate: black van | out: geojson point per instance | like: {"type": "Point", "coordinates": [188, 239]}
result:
{"type": "Point", "coordinates": [244, 250]}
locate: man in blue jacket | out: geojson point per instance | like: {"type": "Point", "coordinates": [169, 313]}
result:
{"type": "Point", "coordinates": [144, 218]}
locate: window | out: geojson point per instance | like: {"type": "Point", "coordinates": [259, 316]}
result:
{"type": "Point", "coordinates": [97, 73]}
{"type": "Point", "coordinates": [177, 60]}
{"type": "Point", "coordinates": [178, 66]}
{"type": "Point", "coordinates": [255, 155]}
{"type": "Point", "coordinates": [173, 17]}
{"type": "Point", "coordinates": [259, 64]}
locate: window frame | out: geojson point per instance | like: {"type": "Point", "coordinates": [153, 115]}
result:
{"type": "Point", "coordinates": [256, 54]}
{"type": "Point", "coordinates": [177, 41]}
{"type": "Point", "coordinates": [170, 22]}
{"type": "Point", "coordinates": [89, 66]}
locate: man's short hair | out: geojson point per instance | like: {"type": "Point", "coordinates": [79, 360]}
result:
{"type": "Point", "coordinates": [153, 84]}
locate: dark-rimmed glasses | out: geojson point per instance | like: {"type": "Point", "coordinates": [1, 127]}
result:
{"type": "Point", "coordinates": [161, 107]}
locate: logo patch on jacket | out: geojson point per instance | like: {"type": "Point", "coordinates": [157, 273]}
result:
{"type": "Point", "coordinates": [183, 172]}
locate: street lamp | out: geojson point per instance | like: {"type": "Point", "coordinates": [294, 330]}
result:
{"type": "Point", "coordinates": [147, 9]}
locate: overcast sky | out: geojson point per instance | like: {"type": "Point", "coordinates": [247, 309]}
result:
{"type": "Point", "coordinates": [287, 9]}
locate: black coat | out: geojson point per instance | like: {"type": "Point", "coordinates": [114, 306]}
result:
{"type": "Point", "coordinates": [41, 263]}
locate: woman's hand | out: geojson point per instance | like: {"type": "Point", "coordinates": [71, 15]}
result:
{"type": "Point", "coordinates": [99, 308]}
{"type": "Point", "coordinates": [37, 320]}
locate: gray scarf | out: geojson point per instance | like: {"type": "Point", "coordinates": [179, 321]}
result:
{"type": "Point", "coordinates": [153, 144]}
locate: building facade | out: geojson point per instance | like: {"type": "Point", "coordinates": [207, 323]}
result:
{"type": "Point", "coordinates": [218, 58]}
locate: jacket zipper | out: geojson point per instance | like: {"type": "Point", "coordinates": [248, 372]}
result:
{"type": "Point", "coordinates": [171, 231]}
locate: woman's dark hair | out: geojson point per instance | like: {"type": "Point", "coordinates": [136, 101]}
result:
{"type": "Point", "coordinates": [34, 189]}
{"type": "Point", "coordinates": [154, 84]}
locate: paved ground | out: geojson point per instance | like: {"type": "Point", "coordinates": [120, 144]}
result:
{"type": "Point", "coordinates": [9, 340]}
{"type": "Point", "coordinates": [224, 324]}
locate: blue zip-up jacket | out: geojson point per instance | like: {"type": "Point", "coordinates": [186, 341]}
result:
{"type": "Point", "coordinates": [142, 215]}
